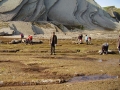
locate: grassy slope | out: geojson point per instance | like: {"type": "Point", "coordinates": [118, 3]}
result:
{"type": "Point", "coordinates": [113, 7]}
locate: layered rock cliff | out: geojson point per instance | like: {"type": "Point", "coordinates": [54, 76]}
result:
{"type": "Point", "coordinates": [67, 12]}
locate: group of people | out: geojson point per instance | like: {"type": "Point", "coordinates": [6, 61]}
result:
{"type": "Point", "coordinates": [53, 42]}
{"type": "Point", "coordinates": [87, 39]}
{"type": "Point", "coordinates": [105, 46]}
{"type": "Point", "coordinates": [28, 40]}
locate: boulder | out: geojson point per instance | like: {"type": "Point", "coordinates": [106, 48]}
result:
{"type": "Point", "coordinates": [15, 41]}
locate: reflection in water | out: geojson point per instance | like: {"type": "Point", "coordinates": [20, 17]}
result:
{"type": "Point", "coordinates": [93, 77]}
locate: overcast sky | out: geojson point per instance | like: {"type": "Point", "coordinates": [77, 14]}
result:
{"type": "Point", "coordinates": [104, 3]}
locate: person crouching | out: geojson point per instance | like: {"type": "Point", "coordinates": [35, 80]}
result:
{"type": "Point", "coordinates": [28, 40]}
{"type": "Point", "coordinates": [105, 48]}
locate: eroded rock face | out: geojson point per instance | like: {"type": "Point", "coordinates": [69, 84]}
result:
{"type": "Point", "coordinates": [67, 12]}
{"type": "Point", "coordinates": [28, 28]}
{"type": "Point", "coordinates": [9, 5]}
{"type": "Point", "coordinates": [10, 14]}
{"type": "Point", "coordinates": [6, 31]}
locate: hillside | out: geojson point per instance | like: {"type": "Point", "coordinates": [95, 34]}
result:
{"type": "Point", "coordinates": [66, 12]}
{"type": "Point", "coordinates": [113, 11]}
{"type": "Point", "coordinates": [112, 7]}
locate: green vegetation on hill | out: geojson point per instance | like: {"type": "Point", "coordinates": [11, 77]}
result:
{"type": "Point", "coordinates": [113, 8]}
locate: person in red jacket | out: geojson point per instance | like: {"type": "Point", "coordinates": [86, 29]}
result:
{"type": "Point", "coordinates": [30, 39]}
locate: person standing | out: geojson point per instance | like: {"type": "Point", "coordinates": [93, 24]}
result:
{"type": "Point", "coordinates": [22, 36]}
{"type": "Point", "coordinates": [53, 42]}
{"type": "Point", "coordinates": [80, 39]}
{"type": "Point", "coordinates": [118, 46]}
{"type": "Point", "coordinates": [89, 40]}
{"type": "Point", "coordinates": [86, 39]}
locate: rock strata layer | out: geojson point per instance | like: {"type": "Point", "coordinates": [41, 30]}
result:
{"type": "Point", "coordinates": [67, 12]}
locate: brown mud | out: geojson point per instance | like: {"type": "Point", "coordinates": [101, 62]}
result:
{"type": "Point", "coordinates": [31, 67]}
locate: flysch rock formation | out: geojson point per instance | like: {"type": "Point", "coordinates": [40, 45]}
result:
{"type": "Point", "coordinates": [21, 27]}
{"type": "Point", "coordinates": [6, 31]}
{"type": "Point", "coordinates": [67, 12]}
{"type": "Point", "coordinates": [43, 30]}
{"type": "Point", "coordinates": [9, 15]}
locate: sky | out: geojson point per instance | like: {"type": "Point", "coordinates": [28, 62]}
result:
{"type": "Point", "coordinates": [104, 3]}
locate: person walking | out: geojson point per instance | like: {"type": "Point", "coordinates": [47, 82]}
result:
{"type": "Point", "coordinates": [53, 42]}
{"type": "Point", "coordinates": [118, 46]}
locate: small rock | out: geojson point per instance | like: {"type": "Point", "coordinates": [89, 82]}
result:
{"type": "Point", "coordinates": [1, 82]}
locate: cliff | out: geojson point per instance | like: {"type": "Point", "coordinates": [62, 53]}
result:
{"type": "Point", "coordinates": [67, 12]}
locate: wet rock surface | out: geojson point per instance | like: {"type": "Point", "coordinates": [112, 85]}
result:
{"type": "Point", "coordinates": [90, 78]}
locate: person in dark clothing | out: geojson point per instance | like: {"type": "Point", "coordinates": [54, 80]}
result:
{"type": "Point", "coordinates": [118, 46]}
{"type": "Point", "coordinates": [80, 39]}
{"type": "Point", "coordinates": [53, 42]}
{"type": "Point", "coordinates": [22, 36]}
{"type": "Point", "coordinates": [105, 48]}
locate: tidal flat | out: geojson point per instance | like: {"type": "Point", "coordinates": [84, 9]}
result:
{"type": "Point", "coordinates": [31, 67]}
